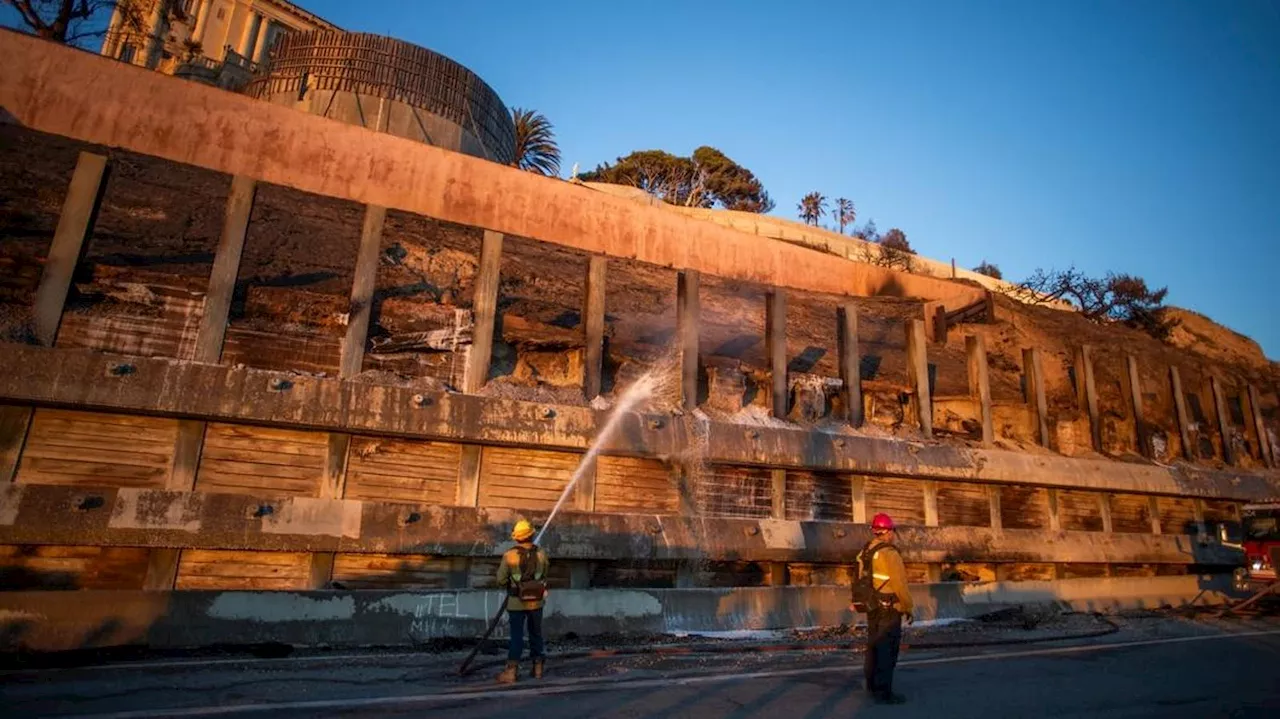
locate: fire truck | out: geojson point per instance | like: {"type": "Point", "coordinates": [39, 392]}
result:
{"type": "Point", "coordinates": [1261, 541]}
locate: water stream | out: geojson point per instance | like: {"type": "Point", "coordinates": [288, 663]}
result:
{"type": "Point", "coordinates": [639, 392]}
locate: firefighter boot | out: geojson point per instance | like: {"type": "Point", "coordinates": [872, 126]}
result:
{"type": "Point", "coordinates": [510, 674]}
{"type": "Point", "coordinates": [537, 667]}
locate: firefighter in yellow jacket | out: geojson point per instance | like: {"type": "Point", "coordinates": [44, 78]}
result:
{"type": "Point", "coordinates": [523, 573]}
{"type": "Point", "coordinates": [889, 603]}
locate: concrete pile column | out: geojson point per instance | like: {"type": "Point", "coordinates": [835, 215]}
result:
{"type": "Point", "coordinates": [688, 321]}
{"type": "Point", "coordinates": [74, 225]}
{"type": "Point", "coordinates": [1180, 410]}
{"type": "Point", "coordinates": [1141, 434]}
{"type": "Point", "coordinates": [593, 326]}
{"type": "Point", "coordinates": [484, 315]}
{"type": "Point", "coordinates": [1087, 394]}
{"type": "Point", "coordinates": [850, 362]}
{"type": "Point", "coordinates": [1224, 421]}
{"type": "Point", "coordinates": [918, 374]}
{"type": "Point", "coordinates": [484, 311]}
{"type": "Point", "coordinates": [1033, 369]}
{"type": "Point", "coordinates": [775, 337]}
{"type": "Point", "coordinates": [980, 383]}
{"type": "Point", "coordinates": [1260, 428]}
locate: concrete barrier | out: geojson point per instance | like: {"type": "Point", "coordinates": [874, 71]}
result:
{"type": "Point", "coordinates": [54, 621]}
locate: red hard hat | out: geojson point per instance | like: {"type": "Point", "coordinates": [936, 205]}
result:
{"type": "Point", "coordinates": [881, 521]}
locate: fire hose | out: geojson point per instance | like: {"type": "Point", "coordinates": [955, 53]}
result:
{"type": "Point", "coordinates": [694, 649]}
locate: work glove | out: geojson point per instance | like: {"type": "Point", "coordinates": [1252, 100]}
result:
{"type": "Point", "coordinates": [910, 617]}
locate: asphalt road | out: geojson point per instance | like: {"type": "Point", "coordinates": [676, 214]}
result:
{"type": "Point", "coordinates": [1182, 673]}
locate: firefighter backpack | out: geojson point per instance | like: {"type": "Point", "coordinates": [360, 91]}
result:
{"type": "Point", "coordinates": [866, 595]}
{"type": "Point", "coordinates": [530, 587]}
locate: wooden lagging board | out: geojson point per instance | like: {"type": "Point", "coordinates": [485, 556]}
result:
{"type": "Point", "coordinates": [1024, 572]}
{"type": "Point", "coordinates": [97, 449]}
{"type": "Point", "coordinates": [524, 478]}
{"type": "Point", "coordinates": [822, 496]}
{"type": "Point", "coordinates": [630, 484]}
{"type": "Point", "coordinates": [811, 575]}
{"type": "Point", "coordinates": [153, 314]}
{"type": "Point", "coordinates": [1218, 513]}
{"type": "Point", "coordinates": [724, 491]}
{"type": "Point", "coordinates": [1131, 513]}
{"type": "Point", "coordinates": [968, 572]}
{"type": "Point", "coordinates": [71, 567]}
{"type": "Point", "coordinates": [393, 470]}
{"type": "Point", "coordinates": [316, 352]}
{"type": "Point", "coordinates": [901, 499]}
{"type": "Point", "coordinates": [658, 573]}
{"type": "Point", "coordinates": [963, 504]}
{"type": "Point", "coordinates": [1080, 511]}
{"type": "Point", "coordinates": [234, 569]}
{"type": "Point", "coordinates": [394, 571]}
{"type": "Point", "coordinates": [1024, 507]}
{"type": "Point", "coordinates": [244, 459]}
{"type": "Point", "coordinates": [1073, 570]}
{"type": "Point", "coordinates": [1177, 515]}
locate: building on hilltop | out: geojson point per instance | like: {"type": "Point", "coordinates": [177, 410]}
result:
{"type": "Point", "coordinates": [390, 86]}
{"type": "Point", "coordinates": [220, 42]}
{"type": "Point", "coordinates": [278, 52]}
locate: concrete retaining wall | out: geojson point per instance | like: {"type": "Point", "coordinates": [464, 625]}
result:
{"type": "Point", "coordinates": [52, 621]}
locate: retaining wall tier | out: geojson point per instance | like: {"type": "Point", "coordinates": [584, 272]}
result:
{"type": "Point", "coordinates": [43, 621]}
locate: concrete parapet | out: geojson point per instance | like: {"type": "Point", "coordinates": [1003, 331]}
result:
{"type": "Point", "coordinates": [54, 621]}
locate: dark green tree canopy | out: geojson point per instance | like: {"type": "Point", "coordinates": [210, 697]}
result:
{"type": "Point", "coordinates": [708, 178]}
{"type": "Point", "coordinates": [989, 269]}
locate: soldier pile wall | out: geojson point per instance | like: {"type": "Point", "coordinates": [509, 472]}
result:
{"type": "Point", "coordinates": [252, 348]}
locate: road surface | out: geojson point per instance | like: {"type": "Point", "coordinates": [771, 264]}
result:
{"type": "Point", "coordinates": [1183, 671]}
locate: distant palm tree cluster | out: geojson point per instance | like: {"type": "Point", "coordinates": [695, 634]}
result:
{"type": "Point", "coordinates": [813, 207]}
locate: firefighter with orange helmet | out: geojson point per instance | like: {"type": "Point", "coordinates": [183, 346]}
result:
{"type": "Point", "coordinates": [523, 573]}
{"type": "Point", "coordinates": [881, 592]}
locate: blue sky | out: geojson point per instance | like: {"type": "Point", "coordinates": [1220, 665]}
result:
{"type": "Point", "coordinates": [1140, 136]}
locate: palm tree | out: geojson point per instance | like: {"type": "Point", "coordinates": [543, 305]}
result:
{"type": "Point", "coordinates": [845, 213]}
{"type": "Point", "coordinates": [812, 207]}
{"type": "Point", "coordinates": [536, 148]}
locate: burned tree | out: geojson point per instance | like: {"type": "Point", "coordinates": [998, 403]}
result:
{"type": "Point", "coordinates": [1112, 298]}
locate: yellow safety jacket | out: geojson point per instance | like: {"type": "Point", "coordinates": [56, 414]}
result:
{"type": "Point", "coordinates": [889, 574]}
{"type": "Point", "coordinates": [509, 573]}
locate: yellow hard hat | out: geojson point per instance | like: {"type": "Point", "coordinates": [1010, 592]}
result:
{"type": "Point", "coordinates": [523, 530]}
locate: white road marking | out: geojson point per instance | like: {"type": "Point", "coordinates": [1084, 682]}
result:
{"type": "Point", "coordinates": [586, 685]}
